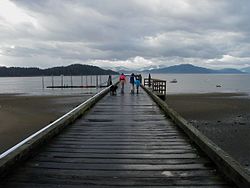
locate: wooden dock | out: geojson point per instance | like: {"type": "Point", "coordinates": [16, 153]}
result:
{"type": "Point", "coordinates": [123, 141]}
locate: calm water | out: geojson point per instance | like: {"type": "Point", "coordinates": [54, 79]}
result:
{"type": "Point", "coordinates": [187, 83]}
{"type": "Point", "coordinates": [205, 83]}
{"type": "Point", "coordinates": [34, 85]}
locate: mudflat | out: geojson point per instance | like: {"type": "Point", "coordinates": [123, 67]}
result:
{"type": "Point", "coordinates": [21, 116]}
{"type": "Point", "coordinates": [222, 117]}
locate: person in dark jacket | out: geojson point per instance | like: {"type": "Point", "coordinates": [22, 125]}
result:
{"type": "Point", "coordinates": [132, 82]}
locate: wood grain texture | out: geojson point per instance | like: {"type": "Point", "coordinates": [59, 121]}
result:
{"type": "Point", "coordinates": [124, 141]}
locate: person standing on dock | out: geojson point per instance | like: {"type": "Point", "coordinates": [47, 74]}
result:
{"type": "Point", "coordinates": [109, 82]}
{"type": "Point", "coordinates": [137, 84]}
{"type": "Point", "coordinates": [132, 82]}
{"type": "Point", "coordinates": [122, 81]}
{"type": "Point", "coordinates": [149, 80]}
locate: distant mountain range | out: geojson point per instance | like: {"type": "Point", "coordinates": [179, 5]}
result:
{"type": "Point", "coordinates": [75, 69]}
{"type": "Point", "coordinates": [246, 69]}
{"type": "Point", "coordinates": [79, 69]}
{"type": "Point", "coordinates": [191, 69]}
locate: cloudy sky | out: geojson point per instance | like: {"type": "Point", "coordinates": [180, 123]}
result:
{"type": "Point", "coordinates": [131, 33]}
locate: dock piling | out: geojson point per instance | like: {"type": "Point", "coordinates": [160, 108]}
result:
{"type": "Point", "coordinates": [43, 82]}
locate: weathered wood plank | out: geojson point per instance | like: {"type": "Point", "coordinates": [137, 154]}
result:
{"type": "Point", "coordinates": [158, 124]}
{"type": "Point", "coordinates": [122, 143]}
{"type": "Point", "coordinates": [122, 138]}
{"type": "Point", "coordinates": [125, 131]}
{"type": "Point", "coordinates": [122, 147]}
{"type": "Point", "coordinates": [103, 151]}
{"type": "Point", "coordinates": [122, 161]}
{"type": "Point", "coordinates": [117, 167]}
{"type": "Point", "coordinates": [67, 173]}
{"type": "Point", "coordinates": [120, 181]}
{"type": "Point", "coordinates": [46, 185]}
{"type": "Point", "coordinates": [121, 156]}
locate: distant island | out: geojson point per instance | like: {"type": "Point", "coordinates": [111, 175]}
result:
{"type": "Point", "coordinates": [75, 69]}
{"type": "Point", "coordinates": [191, 69]}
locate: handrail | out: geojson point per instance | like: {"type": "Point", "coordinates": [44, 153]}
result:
{"type": "Point", "coordinates": [20, 150]}
{"type": "Point", "coordinates": [157, 85]}
{"type": "Point", "coordinates": [224, 162]}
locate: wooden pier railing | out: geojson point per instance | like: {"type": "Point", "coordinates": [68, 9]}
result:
{"type": "Point", "coordinates": [159, 87]}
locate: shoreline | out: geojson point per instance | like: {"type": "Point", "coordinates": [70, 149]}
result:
{"type": "Point", "coordinates": [222, 117]}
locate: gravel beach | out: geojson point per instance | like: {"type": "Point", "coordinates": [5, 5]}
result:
{"type": "Point", "coordinates": [222, 117]}
{"type": "Point", "coordinates": [21, 116]}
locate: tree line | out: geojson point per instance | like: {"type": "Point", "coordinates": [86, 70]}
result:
{"type": "Point", "coordinates": [75, 69]}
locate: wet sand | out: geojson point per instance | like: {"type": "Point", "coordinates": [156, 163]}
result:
{"type": "Point", "coordinates": [21, 116]}
{"type": "Point", "coordinates": [222, 117]}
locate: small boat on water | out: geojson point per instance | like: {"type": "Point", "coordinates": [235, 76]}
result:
{"type": "Point", "coordinates": [218, 85]}
{"type": "Point", "coordinates": [173, 81]}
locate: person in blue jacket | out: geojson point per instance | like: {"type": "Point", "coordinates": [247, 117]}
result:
{"type": "Point", "coordinates": [137, 84]}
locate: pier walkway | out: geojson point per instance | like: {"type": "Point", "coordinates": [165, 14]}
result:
{"type": "Point", "coordinates": [124, 141]}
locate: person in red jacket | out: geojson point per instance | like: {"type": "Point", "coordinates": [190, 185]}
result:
{"type": "Point", "coordinates": [122, 81]}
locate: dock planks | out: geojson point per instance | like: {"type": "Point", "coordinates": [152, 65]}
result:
{"type": "Point", "coordinates": [124, 141]}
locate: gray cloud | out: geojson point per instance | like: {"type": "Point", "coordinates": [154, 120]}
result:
{"type": "Point", "coordinates": [116, 32]}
